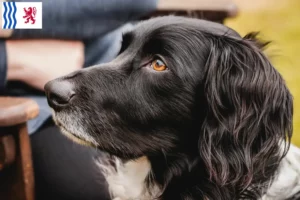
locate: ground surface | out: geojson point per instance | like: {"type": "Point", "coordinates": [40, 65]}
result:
{"type": "Point", "coordinates": [279, 21]}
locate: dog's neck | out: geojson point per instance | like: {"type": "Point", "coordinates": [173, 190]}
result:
{"type": "Point", "coordinates": [130, 180]}
{"type": "Point", "coordinates": [174, 174]}
{"type": "Point", "coordinates": [148, 178]}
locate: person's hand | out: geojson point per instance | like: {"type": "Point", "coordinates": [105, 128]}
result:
{"type": "Point", "coordinates": [36, 62]}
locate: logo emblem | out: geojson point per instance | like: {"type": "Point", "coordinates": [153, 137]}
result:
{"type": "Point", "coordinates": [21, 15]}
{"type": "Point", "coordinates": [30, 15]}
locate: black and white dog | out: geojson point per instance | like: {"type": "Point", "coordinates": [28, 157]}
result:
{"type": "Point", "coordinates": [188, 110]}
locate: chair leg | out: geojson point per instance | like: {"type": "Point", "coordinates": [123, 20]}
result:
{"type": "Point", "coordinates": [24, 163]}
{"type": "Point", "coordinates": [17, 179]}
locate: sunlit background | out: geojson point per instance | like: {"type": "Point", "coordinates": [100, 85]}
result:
{"type": "Point", "coordinates": [279, 21]}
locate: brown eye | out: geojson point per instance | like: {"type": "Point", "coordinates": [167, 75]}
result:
{"type": "Point", "coordinates": [158, 65]}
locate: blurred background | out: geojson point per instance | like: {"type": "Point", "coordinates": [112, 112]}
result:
{"type": "Point", "coordinates": [278, 21]}
{"type": "Point", "coordinates": [95, 38]}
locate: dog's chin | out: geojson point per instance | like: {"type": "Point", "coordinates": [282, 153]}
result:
{"type": "Point", "coordinates": [73, 136]}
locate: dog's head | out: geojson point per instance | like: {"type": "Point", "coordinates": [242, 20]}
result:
{"type": "Point", "coordinates": [181, 85]}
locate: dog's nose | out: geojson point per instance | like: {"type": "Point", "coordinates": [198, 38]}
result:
{"type": "Point", "coordinates": [59, 93]}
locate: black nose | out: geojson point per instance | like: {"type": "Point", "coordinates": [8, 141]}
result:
{"type": "Point", "coordinates": [59, 93]}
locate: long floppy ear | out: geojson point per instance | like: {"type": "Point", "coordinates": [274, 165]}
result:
{"type": "Point", "coordinates": [248, 119]}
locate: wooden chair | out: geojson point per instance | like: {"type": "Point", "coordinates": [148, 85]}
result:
{"type": "Point", "coordinates": [16, 170]}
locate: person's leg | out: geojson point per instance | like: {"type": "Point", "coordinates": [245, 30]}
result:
{"type": "Point", "coordinates": [65, 170]}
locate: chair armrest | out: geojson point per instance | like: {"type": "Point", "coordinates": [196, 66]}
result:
{"type": "Point", "coordinates": [15, 110]}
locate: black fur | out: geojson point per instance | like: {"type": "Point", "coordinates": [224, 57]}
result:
{"type": "Point", "coordinates": [215, 125]}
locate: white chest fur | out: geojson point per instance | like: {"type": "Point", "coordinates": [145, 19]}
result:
{"type": "Point", "coordinates": [127, 181]}
{"type": "Point", "coordinates": [287, 183]}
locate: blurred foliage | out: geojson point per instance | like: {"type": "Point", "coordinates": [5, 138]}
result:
{"type": "Point", "coordinates": [280, 24]}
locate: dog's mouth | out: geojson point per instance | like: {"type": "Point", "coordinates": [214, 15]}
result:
{"type": "Point", "coordinates": [71, 135]}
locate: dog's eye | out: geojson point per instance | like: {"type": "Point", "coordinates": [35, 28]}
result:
{"type": "Point", "coordinates": [158, 65]}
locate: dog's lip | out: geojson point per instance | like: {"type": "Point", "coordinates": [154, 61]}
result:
{"type": "Point", "coordinates": [72, 133]}
{"type": "Point", "coordinates": [63, 127]}
{"type": "Point", "coordinates": [80, 140]}
{"type": "Point", "coordinates": [59, 124]}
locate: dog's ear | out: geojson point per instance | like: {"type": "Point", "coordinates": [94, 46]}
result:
{"type": "Point", "coordinates": [248, 118]}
